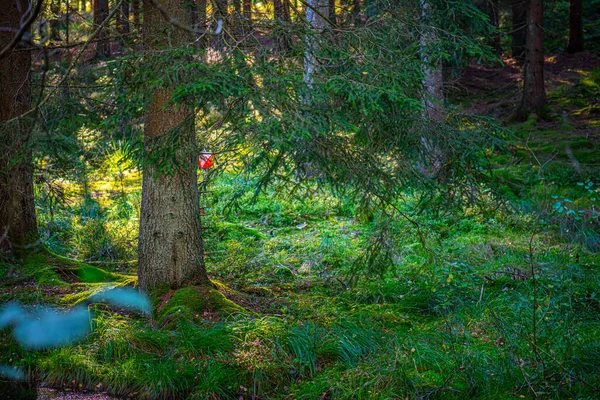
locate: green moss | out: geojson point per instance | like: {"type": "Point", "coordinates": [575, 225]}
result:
{"type": "Point", "coordinates": [191, 303]}
{"type": "Point", "coordinates": [40, 269]}
{"type": "Point", "coordinates": [233, 231]}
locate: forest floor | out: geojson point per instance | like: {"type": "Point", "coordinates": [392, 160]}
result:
{"type": "Point", "coordinates": [501, 302]}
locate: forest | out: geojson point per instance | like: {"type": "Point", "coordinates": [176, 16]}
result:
{"type": "Point", "coordinates": [299, 199]}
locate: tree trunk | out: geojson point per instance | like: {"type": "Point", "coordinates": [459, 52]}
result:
{"type": "Point", "coordinates": [534, 94]}
{"type": "Point", "coordinates": [198, 15]}
{"type": "Point", "coordinates": [575, 27]}
{"type": "Point", "coordinates": [433, 83]}
{"type": "Point", "coordinates": [18, 227]}
{"type": "Point", "coordinates": [136, 8]}
{"type": "Point", "coordinates": [55, 20]}
{"type": "Point", "coordinates": [490, 8]}
{"type": "Point", "coordinates": [519, 29]}
{"type": "Point", "coordinates": [101, 11]}
{"type": "Point", "coordinates": [281, 14]}
{"type": "Point", "coordinates": [432, 97]}
{"type": "Point", "coordinates": [123, 22]}
{"type": "Point", "coordinates": [170, 242]}
{"type": "Point", "coordinates": [332, 16]}
{"type": "Point", "coordinates": [247, 11]}
{"type": "Point", "coordinates": [356, 11]}
{"type": "Point", "coordinates": [315, 11]}
{"type": "Point", "coordinates": [220, 15]}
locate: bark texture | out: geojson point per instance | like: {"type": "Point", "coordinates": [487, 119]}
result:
{"type": "Point", "coordinates": [170, 243]}
{"type": "Point", "coordinates": [576, 42]}
{"type": "Point", "coordinates": [18, 228]}
{"type": "Point", "coordinates": [101, 12]}
{"type": "Point", "coordinates": [534, 93]}
{"type": "Point", "coordinates": [519, 29]}
{"type": "Point", "coordinates": [315, 11]}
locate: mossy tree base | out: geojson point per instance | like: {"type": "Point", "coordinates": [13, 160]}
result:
{"type": "Point", "coordinates": [194, 303]}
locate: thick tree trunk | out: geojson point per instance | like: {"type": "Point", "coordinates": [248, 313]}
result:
{"type": "Point", "coordinates": [18, 228]}
{"type": "Point", "coordinates": [123, 22]}
{"type": "Point", "coordinates": [170, 243]}
{"type": "Point", "coordinates": [534, 93]}
{"type": "Point", "coordinates": [519, 29]}
{"type": "Point", "coordinates": [101, 12]}
{"type": "Point", "coordinates": [575, 27]}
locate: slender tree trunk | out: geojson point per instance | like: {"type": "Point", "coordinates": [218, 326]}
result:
{"type": "Point", "coordinates": [286, 11]}
{"type": "Point", "coordinates": [575, 27]}
{"type": "Point", "coordinates": [220, 15]}
{"type": "Point", "coordinates": [136, 9]}
{"type": "Point", "coordinates": [170, 243]}
{"type": "Point", "coordinates": [356, 11]}
{"type": "Point", "coordinates": [281, 14]}
{"type": "Point", "coordinates": [55, 20]}
{"type": "Point", "coordinates": [315, 11]}
{"type": "Point", "coordinates": [432, 97]}
{"type": "Point", "coordinates": [247, 11]}
{"type": "Point", "coordinates": [490, 8]}
{"type": "Point", "coordinates": [433, 83]}
{"type": "Point", "coordinates": [101, 12]}
{"type": "Point", "coordinates": [235, 19]}
{"type": "Point", "coordinates": [519, 29]}
{"type": "Point", "coordinates": [198, 15]}
{"type": "Point", "coordinates": [534, 93]}
{"type": "Point", "coordinates": [332, 16]}
{"type": "Point", "coordinates": [123, 21]}
{"type": "Point", "coordinates": [237, 6]}
{"type": "Point", "coordinates": [18, 227]}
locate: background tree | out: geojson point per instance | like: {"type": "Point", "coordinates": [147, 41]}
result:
{"type": "Point", "coordinates": [534, 92]}
{"type": "Point", "coordinates": [100, 14]}
{"type": "Point", "coordinates": [576, 41]}
{"type": "Point", "coordinates": [123, 20]}
{"type": "Point", "coordinates": [170, 243]}
{"type": "Point", "coordinates": [18, 227]}
{"type": "Point", "coordinates": [317, 12]}
{"type": "Point", "coordinates": [519, 29]}
{"type": "Point", "coordinates": [136, 9]}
